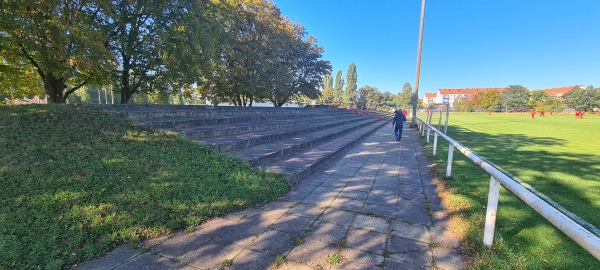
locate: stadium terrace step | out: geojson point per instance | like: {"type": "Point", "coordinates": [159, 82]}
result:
{"type": "Point", "coordinates": [179, 122]}
{"type": "Point", "coordinates": [260, 154]}
{"type": "Point", "coordinates": [201, 132]}
{"type": "Point", "coordinates": [294, 141]}
{"type": "Point", "coordinates": [307, 161]}
{"type": "Point", "coordinates": [232, 143]}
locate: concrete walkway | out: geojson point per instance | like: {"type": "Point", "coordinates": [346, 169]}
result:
{"type": "Point", "coordinates": [373, 208]}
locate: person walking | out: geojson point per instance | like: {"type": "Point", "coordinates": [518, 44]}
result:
{"type": "Point", "coordinates": [398, 123]}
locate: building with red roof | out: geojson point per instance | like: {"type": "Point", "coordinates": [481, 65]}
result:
{"type": "Point", "coordinates": [430, 98]}
{"type": "Point", "coordinates": [452, 94]}
{"type": "Point", "coordinates": [558, 92]}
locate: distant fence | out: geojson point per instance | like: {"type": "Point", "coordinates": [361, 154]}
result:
{"type": "Point", "coordinates": [34, 100]}
{"type": "Point", "coordinates": [575, 231]}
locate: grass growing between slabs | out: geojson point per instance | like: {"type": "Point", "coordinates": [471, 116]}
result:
{"type": "Point", "coordinates": [558, 155]}
{"type": "Point", "coordinates": [77, 183]}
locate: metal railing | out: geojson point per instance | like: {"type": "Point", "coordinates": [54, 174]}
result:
{"type": "Point", "coordinates": [572, 229]}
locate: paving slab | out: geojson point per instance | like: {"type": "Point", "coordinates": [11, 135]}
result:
{"type": "Point", "coordinates": [363, 210]}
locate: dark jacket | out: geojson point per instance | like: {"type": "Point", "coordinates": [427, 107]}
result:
{"type": "Point", "coordinates": [399, 119]}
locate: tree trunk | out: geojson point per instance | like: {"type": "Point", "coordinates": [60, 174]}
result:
{"type": "Point", "coordinates": [125, 87]}
{"type": "Point", "coordinates": [55, 88]}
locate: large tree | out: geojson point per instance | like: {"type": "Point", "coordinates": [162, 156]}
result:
{"type": "Point", "coordinates": [338, 89]}
{"type": "Point", "coordinates": [580, 98]}
{"type": "Point", "coordinates": [267, 57]}
{"type": "Point", "coordinates": [62, 40]}
{"type": "Point", "coordinates": [490, 100]}
{"type": "Point", "coordinates": [404, 98]}
{"type": "Point", "coordinates": [369, 97]}
{"type": "Point", "coordinates": [515, 98]}
{"type": "Point", "coordinates": [159, 45]}
{"type": "Point", "coordinates": [351, 88]}
{"type": "Point", "coordinates": [302, 70]}
{"type": "Point", "coordinates": [538, 99]}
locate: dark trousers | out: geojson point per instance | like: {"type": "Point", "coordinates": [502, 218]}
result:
{"type": "Point", "coordinates": [398, 130]}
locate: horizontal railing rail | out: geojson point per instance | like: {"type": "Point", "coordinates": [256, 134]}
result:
{"type": "Point", "coordinates": [572, 229]}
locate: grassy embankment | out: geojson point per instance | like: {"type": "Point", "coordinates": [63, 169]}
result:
{"type": "Point", "coordinates": [557, 155]}
{"type": "Point", "coordinates": [77, 183]}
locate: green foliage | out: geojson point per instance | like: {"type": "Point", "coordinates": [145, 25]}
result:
{"type": "Point", "coordinates": [279, 260]}
{"type": "Point", "coordinates": [370, 98]}
{"type": "Point", "coordinates": [404, 98]}
{"type": "Point", "coordinates": [17, 80]}
{"type": "Point", "coordinates": [334, 259]}
{"type": "Point", "coordinates": [62, 41]}
{"type": "Point", "coordinates": [266, 57]}
{"type": "Point", "coordinates": [160, 46]}
{"type": "Point", "coordinates": [236, 51]}
{"type": "Point", "coordinates": [327, 92]}
{"type": "Point", "coordinates": [515, 98]}
{"type": "Point", "coordinates": [338, 89]}
{"type": "Point", "coordinates": [490, 100]}
{"type": "Point", "coordinates": [351, 89]}
{"type": "Point", "coordinates": [77, 183]}
{"type": "Point", "coordinates": [583, 98]}
{"type": "Point", "coordinates": [557, 155]}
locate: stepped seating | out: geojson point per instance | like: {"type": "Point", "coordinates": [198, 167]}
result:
{"type": "Point", "coordinates": [293, 141]}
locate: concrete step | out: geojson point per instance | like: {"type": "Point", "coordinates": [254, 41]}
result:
{"type": "Point", "coordinates": [204, 112]}
{"type": "Point", "coordinates": [294, 141]}
{"type": "Point", "coordinates": [182, 122]}
{"type": "Point", "coordinates": [205, 132]}
{"type": "Point", "coordinates": [261, 154]}
{"type": "Point", "coordinates": [302, 163]}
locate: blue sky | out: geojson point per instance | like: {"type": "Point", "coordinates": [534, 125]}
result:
{"type": "Point", "coordinates": [467, 43]}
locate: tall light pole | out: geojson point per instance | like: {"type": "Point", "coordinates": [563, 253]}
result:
{"type": "Point", "coordinates": [416, 94]}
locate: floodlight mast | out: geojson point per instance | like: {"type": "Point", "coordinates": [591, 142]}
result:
{"type": "Point", "coordinates": [416, 94]}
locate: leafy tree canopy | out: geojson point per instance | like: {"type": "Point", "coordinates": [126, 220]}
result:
{"type": "Point", "coordinates": [62, 41]}
{"type": "Point", "coordinates": [580, 98]}
{"type": "Point", "coordinates": [516, 97]}
{"type": "Point", "coordinates": [351, 88]}
{"type": "Point", "coordinates": [338, 89]}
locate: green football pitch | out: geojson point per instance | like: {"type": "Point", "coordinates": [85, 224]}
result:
{"type": "Point", "coordinates": [558, 155]}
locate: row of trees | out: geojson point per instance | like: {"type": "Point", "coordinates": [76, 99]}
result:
{"type": "Point", "coordinates": [518, 98]}
{"type": "Point", "coordinates": [236, 51]}
{"type": "Point", "coordinates": [336, 95]}
{"type": "Point", "coordinates": [367, 97]}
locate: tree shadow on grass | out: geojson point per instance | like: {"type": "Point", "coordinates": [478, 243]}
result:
{"type": "Point", "coordinates": [570, 179]}
{"type": "Point", "coordinates": [567, 178]}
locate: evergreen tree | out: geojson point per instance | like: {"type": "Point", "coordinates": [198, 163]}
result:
{"type": "Point", "coordinates": [515, 98]}
{"type": "Point", "coordinates": [327, 92]}
{"type": "Point", "coordinates": [351, 89]}
{"type": "Point", "coordinates": [338, 90]}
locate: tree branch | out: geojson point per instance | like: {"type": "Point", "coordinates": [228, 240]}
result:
{"type": "Point", "coordinates": [32, 61]}
{"type": "Point", "coordinates": [67, 93]}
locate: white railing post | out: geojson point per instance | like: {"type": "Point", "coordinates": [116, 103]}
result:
{"type": "Point", "coordinates": [435, 136]}
{"type": "Point", "coordinates": [450, 157]}
{"type": "Point", "coordinates": [423, 129]}
{"type": "Point", "coordinates": [428, 131]}
{"type": "Point", "coordinates": [492, 209]}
